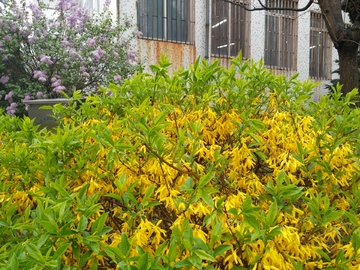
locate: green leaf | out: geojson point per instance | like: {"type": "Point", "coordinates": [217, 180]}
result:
{"type": "Point", "coordinates": [302, 99]}
{"type": "Point", "coordinates": [148, 192]}
{"type": "Point", "coordinates": [252, 222]}
{"type": "Point", "coordinates": [207, 198]}
{"type": "Point", "coordinates": [99, 223]}
{"type": "Point", "coordinates": [114, 196]}
{"type": "Point", "coordinates": [130, 197]}
{"type": "Point", "coordinates": [272, 214]}
{"type": "Point", "coordinates": [204, 256]}
{"type": "Point", "coordinates": [83, 222]}
{"type": "Point", "coordinates": [200, 243]}
{"type": "Point", "coordinates": [221, 249]}
{"type": "Point", "coordinates": [94, 265]}
{"type": "Point", "coordinates": [195, 261]}
{"type": "Point", "coordinates": [205, 179]}
{"type": "Point", "coordinates": [143, 262]}
{"type": "Point", "coordinates": [220, 201]}
{"type": "Point", "coordinates": [247, 203]}
{"type": "Point", "coordinates": [181, 264]}
{"type": "Point", "coordinates": [233, 211]}
{"type": "Point", "coordinates": [50, 227]}
{"type": "Point", "coordinates": [61, 249]}
{"type": "Point", "coordinates": [152, 204]}
{"type": "Point", "coordinates": [355, 239]}
{"type": "Point", "coordinates": [352, 218]}
{"type": "Point", "coordinates": [84, 258]}
{"type": "Point", "coordinates": [14, 263]}
{"type": "Point", "coordinates": [257, 124]}
{"type": "Point", "coordinates": [160, 249]}
{"type": "Point", "coordinates": [35, 253]}
{"type": "Point", "coordinates": [125, 245]}
{"type": "Point", "coordinates": [42, 240]}
{"type": "Point", "coordinates": [340, 256]}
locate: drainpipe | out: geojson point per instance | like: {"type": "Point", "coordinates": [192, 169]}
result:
{"type": "Point", "coordinates": [118, 11]}
{"type": "Point", "coordinates": [207, 29]}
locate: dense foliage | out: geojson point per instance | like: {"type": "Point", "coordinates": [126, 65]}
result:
{"type": "Point", "coordinates": [208, 169]}
{"type": "Point", "coordinates": [42, 54]}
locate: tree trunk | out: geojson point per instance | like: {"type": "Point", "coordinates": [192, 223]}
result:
{"type": "Point", "coordinates": [349, 72]}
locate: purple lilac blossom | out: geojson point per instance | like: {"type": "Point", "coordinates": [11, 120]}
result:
{"type": "Point", "coordinates": [7, 37]}
{"type": "Point", "coordinates": [109, 93]}
{"type": "Point", "coordinates": [107, 3]}
{"type": "Point", "coordinates": [8, 97]}
{"type": "Point", "coordinates": [85, 74]}
{"type": "Point", "coordinates": [28, 96]}
{"type": "Point", "coordinates": [35, 10]}
{"type": "Point", "coordinates": [138, 33]}
{"type": "Point", "coordinates": [116, 54]}
{"type": "Point", "coordinates": [132, 55]}
{"type": "Point", "coordinates": [4, 57]}
{"type": "Point", "coordinates": [40, 75]}
{"type": "Point", "coordinates": [58, 89]}
{"type": "Point", "coordinates": [72, 20]}
{"type": "Point", "coordinates": [11, 109]}
{"type": "Point", "coordinates": [39, 95]}
{"type": "Point", "coordinates": [56, 84]}
{"type": "Point", "coordinates": [1, 44]}
{"type": "Point", "coordinates": [117, 78]}
{"type": "Point", "coordinates": [82, 69]}
{"type": "Point", "coordinates": [4, 79]}
{"type": "Point", "coordinates": [46, 59]}
{"type": "Point", "coordinates": [66, 65]}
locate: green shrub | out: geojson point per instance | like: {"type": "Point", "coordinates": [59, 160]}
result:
{"type": "Point", "coordinates": [208, 169]}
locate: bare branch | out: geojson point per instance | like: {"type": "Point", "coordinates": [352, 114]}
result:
{"type": "Point", "coordinates": [264, 7]}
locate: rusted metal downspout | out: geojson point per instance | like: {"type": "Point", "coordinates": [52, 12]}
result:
{"type": "Point", "coordinates": [118, 11]}
{"type": "Point", "coordinates": [207, 29]}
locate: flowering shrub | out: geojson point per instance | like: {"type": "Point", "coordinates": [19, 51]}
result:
{"type": "Point", "coordinates": [42, 56]}
{"type": "Point", "coordinates": [205, 170]}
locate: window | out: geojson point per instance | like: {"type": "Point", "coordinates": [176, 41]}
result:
{"type": "Point", "coordinates": [229, 30]}
{"type": "Point", "coordinates": [281, 35]}
{"type": "Point", "coordinates": [320, 48]}
{"type": "Point", "coordinates": [170, 20]}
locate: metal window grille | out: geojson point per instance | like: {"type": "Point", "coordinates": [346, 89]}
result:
{"type": "Point", "coordinates": [230, 30]}
{"type": "Point", "coordinates": [320, 48]}
{"type": "Point", "coordinates": [167, 20]}
{"type": "Point", "coordinates": [281, 35]}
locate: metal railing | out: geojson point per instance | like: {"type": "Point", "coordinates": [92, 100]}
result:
{"type": "Point", "coordinates": [320, 48]}
{"type": "Point", "coordinates": [281, 35]}
{"type": "Point", "coordinates": [167, 20]}
{"type": "Point", "coordinates": [230, 29]}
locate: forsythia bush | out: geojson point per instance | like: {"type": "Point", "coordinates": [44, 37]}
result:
{"type": "Point", "coordinates": [208, 169]}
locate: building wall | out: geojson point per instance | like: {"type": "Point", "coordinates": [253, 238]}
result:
{"type": "Point", "coordinates": [182, 55]}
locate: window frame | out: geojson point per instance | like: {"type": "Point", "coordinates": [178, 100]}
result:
{"type": "Point", "coordinates": [240, 29]}
{"type": "Point", "coordinates": [321, 67]}
{"type": "Point", "coordinates": [162, 18]}
{"type": "Point", "coordinates": [281, 42]}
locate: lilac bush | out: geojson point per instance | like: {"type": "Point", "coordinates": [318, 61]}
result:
{"type": "Point", "coordinates": [43, 56]}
